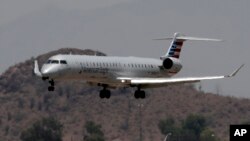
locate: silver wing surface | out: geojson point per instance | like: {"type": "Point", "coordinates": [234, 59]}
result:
{"type": "Point", "coordinates": [158, 82]}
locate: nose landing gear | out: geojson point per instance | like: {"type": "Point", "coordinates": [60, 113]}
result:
{"type": "Point", "coordinates": [52, 85]}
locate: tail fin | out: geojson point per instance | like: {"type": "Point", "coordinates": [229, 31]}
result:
{"type": "Point", "coordinates": [175, 48]}
{"type": "Point", "coordinates": [177, 43]}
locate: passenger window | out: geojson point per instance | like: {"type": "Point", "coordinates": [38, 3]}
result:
{"type": "Point", "coordinates": [63, 62]}
{"type": "Point", "coordinates": [54, 62]}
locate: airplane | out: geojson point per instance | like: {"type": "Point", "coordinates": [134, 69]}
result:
{"type": "Point", "coordinates": [114, 71]}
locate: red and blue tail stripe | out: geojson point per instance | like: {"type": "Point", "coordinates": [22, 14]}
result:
{"type": "Point", "coordinates": [175, 48]}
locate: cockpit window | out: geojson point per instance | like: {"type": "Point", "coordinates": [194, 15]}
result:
{"type": "Point", "coordinates": [48, 62]}
{"type": "Point", "coordinates": [54, 62]}
{"type": "Point", "coordinates": [63, 62]}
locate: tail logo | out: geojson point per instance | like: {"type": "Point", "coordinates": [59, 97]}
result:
{"type": "Point", "coordinates": [175, 49]}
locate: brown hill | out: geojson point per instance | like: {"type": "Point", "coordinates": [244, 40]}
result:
{"type": "Point", "coordinates": [24, 99]}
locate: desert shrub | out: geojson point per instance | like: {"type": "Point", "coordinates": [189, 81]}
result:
{"type": "Point", "coordinates": [93, 132]}
{"type": "Point", "coordinates": [46, 129]}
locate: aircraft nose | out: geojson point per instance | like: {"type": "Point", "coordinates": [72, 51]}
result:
{"type": "Point", "coordinates": [45, 71]}
{"type": "Point", "coordinates": [48, 71]}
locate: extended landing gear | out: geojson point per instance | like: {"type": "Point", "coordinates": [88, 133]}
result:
{"type": "Point", "coordinates": [139, 93]}
{"type": "Point", "coordinates": [51, 82]}
{"type": "Point", "coordinates": [104, 93]}
{"type": "Point", "coordinates": [52, 85]}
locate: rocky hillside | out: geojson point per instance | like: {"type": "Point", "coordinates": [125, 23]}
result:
{"type": "Point", "coordinates": [24, 99]}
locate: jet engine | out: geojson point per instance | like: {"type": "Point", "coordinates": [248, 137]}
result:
{"type": "Point", "coordinates": [172, 64]}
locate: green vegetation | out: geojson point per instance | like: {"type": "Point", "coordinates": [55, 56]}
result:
{"type": "Point", "coordinates": [93, 132]}
{"type": "Point", "coordinates": [195, 124]}
{"type": "Point", "coordinates": [168, 126]}
{"type": "Point", "coordinates": [208, 135]}
{"type": "Point", "coordinates": [193, 128]}
{"type": "Point", "coordinates": [47, 129]}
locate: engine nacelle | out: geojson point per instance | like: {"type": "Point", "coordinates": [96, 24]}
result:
{"type": "Point", "coordinates": [172, 64]}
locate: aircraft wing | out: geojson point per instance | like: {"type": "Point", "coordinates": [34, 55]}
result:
{"type": "Point", "coordinates": [166, 81]}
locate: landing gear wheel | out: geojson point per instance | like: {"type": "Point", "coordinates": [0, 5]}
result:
{"type": "Point", "coordinates": [142, 94]}
{"type": "Point", "coordinates": [102, 94]}
{"type": "Point", "coordinates": [108, 94]}
{"type": "Point", "coordinates": [105, 94]}
{"type": "Point", "coordinates": [52, 84]}
{"type": "Point", "coordinates": [51, 88]}
{"type": "Point", "coordinates": [137, 94]}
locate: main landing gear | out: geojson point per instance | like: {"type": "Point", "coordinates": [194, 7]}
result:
{"type": "Point", "coordinates": [104, 93]}
{"type": "Point", "coordinates": [52, 85]}
{"type": "Point", "coordinates": [139, 93]}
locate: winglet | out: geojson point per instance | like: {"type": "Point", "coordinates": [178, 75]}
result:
{"type": "Point", "coordinates": [36, 69]}
{"type": "Point", "coordinates": [235, 72]}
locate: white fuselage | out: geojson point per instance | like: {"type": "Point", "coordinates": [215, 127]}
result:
{"type": "Point", "coordinates": [115, 72]}
{"type": "Point", "coordinates": [103, 69]}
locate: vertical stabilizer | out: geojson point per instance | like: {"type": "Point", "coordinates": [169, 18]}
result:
{"type": "Point", "coordinates": [175, 47]}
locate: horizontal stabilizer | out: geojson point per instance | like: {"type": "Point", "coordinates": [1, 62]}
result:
{"type": "Point", "coordinates": [177, 43]}
{"type": "Point", "coordinates": [185, 38]}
